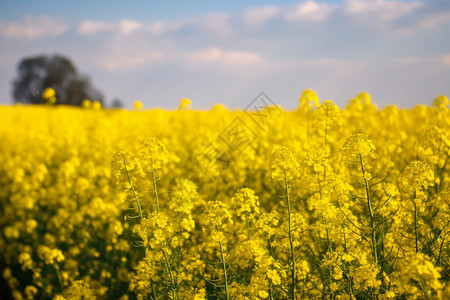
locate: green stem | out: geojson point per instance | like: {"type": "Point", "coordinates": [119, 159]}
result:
{"type": "Point", "coordinates": [58, 274]}
{"type": "Point", "coordinates": [291, 243]}
{"type": "Point", "coordinates": [372, 225]}
{"type": "Point", "coordinates": [153, 290]}
{"type": "Point", "coordinates": [224, 266]}
{"type": "Point", "coordinates": [155, 190]}
{"type": "Point", "coordinates": [423, 286]}
{"type": "Point", "coordinates": [323, 219]}
{"type": "Point", "coordinates": [351, 289]}
{"type": "Point", "coordinates": [416, 226]}
{"type": "Point", "coordinates": [134, 191]}
{"type": "Point", "coordinates": [179, 239]}
{"type": "Point", "coordinates": [169, 269]}
{"type": "Point", "coordinates": [345, 238]}
{"type": "Point", "coordinates": [248, 225]}
{"type": "Point", "coordinates": [442, 175]}
{"type": "Point", "coordinates": [270, 248]}
{"type": "Point", "coordinates": [270, 291]}
{"type": "Point", "coordinates": [438, 262]}
{"type": "Point", "coordinates": [436, 175]}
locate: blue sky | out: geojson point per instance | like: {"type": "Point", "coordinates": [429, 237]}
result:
{"type": "Point", "coordinates": [142, 10]}
{"type": "Point", "coordinates": [227, 52]}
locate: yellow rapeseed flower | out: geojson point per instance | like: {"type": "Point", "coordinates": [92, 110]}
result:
{"type": "Point", "coordinates": [184, 103]}
{"type": "Point", "coordinates": [153, 154]}
{"type": "Point", "coordinates": [359, 150]}
{"type": "Point", "coordinates": [284, 164]}
{"type": "Point", "coordinates": [216, 215]}
{"type": "Point", "coordinates": [417, 177]}
{"type": "Point", "coordinates": [96, 104]}
{"type": "Point", "coordinates": [48, 93]}
{"type": "Point", "coordinates": [137, 104]}
{"type": "Point", "coordinates": [86, 103]}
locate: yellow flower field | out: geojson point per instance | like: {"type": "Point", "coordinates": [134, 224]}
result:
{"type": "Point", "coordinates": [319, 202]}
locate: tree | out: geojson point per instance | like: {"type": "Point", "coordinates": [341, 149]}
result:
{"type": "Point", "coordinates": [117, 103]}
{"type": "Point", "coordinates": [57, 72]}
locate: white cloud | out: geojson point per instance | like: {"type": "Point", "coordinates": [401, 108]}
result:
{"type": "Point", "coordinates": [217, 55]}
{"type": "Point", "coordinates": [33, 28]}
{"type": "Point", "coordinates": [8, 60]}
{"type": "Point", "coordinates": [434, 20]}
{"type": "Point", "coordinates": [310, 11]}
{"type": "Point", "coordinates": [129, 26]}
{"type": "Point", "coordinates": [379, 13]}
{"type": "Point", "coordinates": [324, 64]}
{"type": "Point", "coordinates": [238, 65]}
{"type": "Point", "coordinates": [133, 61]}
{"type": "Point", "coordinates": [215, 23]}
{"type": "Point", "coordinates": [94, 27]}
{"type": "Point", "coordinates": [331, 62]}
{"type": "Point", "coordinates": [124, 52]}
{"type": "Point", "coordinates": [164, 27]}
{"type": "Point", "coordinates": [125, 27]}
{"type": "Point", "coordinates": [258, 16]}
{"type": "Point", "coordinates": [250, 63]}
{"type": "Point", "coordinates": [446, 59]}
{"type": "Point", "coordinates": [407, 60]}
{"type": "Point", "coordinates": [412, 60]}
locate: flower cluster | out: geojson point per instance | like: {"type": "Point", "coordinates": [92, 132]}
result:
{"type": "Point", "coordinates": [359, 151]}
{"type": "Point", "coordinates": [153, 154]}
{"type": "Point", "coordinates": [117, 204]}
{"type": "Point", "coordinates": [247, 203]}
{"type": "Point", "coordinates": [416, 178]}
{"type": "Point", "coordinates": [284, 164]}
{"type": "Point", "coordinates": [216, 216]}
